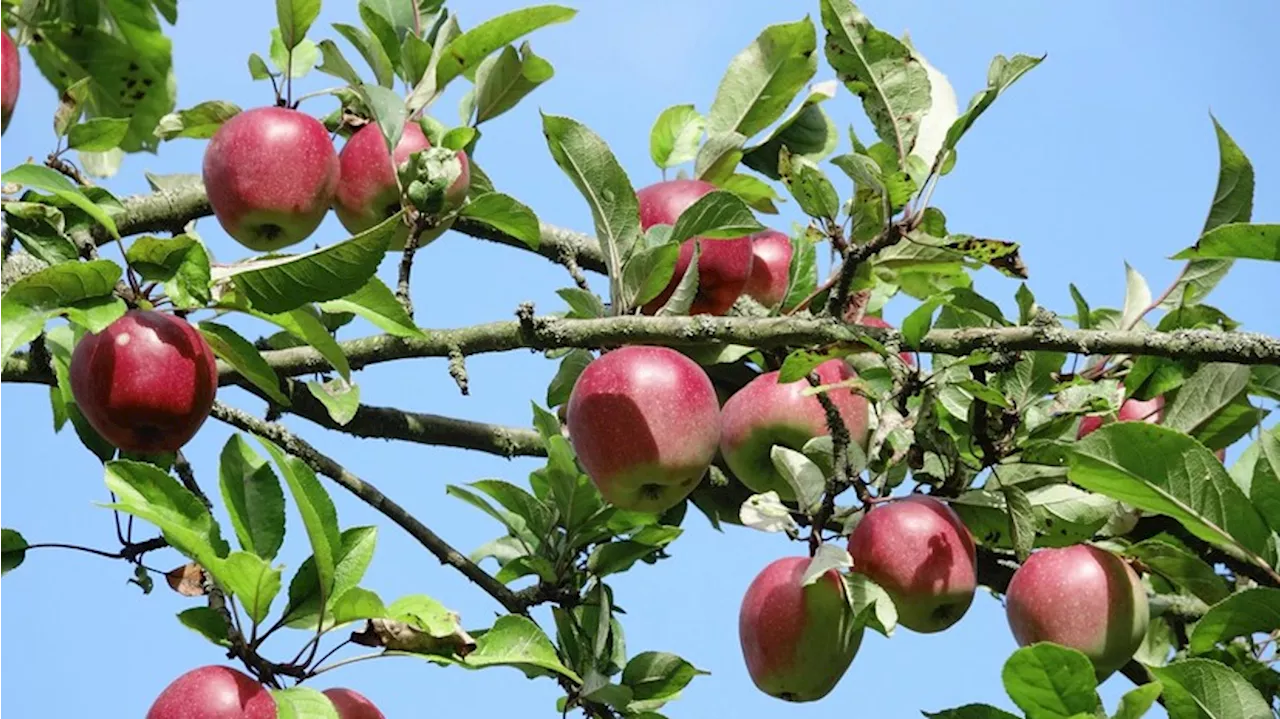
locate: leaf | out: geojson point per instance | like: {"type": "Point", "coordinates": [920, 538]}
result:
{"type": "Point", "coordinates": [303, 324]}
{"type": "Point", "coordinates": [1137, 702]}
{"type": "Point", "coordinates": [181, 263]}
{"type": "Point", "coordinates": [999, 254]}
{"type": "Point", "coordinates": [675, 136]}
{"type": "Point", "coordinates": [340, 397]}
{"type": "Point", "coordinates": [972, 711]}
{"type": "Point", "coordinates": [648, 272]}
{"type": "Point", "coordinates": [1252, 611]}
{"type": "Point", "coordinates": [333, 62]}
{"type": "Point", "coordinates": [1208, 391]}
{"type": "Point", "coordinates": [767, 513]}
{"type": "Point", "coordinates": [98, 134]}
{"type": "Point", "coordinates": [295, 63]}
{"type": "Point", "coordinates": [1181, 568]}
{"type": "Point", "coordinates": [30, 301]}
{"type": "Point", "coordinates": [828, 557]}
{"type": "Point", "coordinates": [201, 121]}
{"type": "Point", "coordinates": [762, 79]}
{"type": "Point", "coordinates": [1160, 470]}
{"type": "Point", "coordinates": [1022, 521]}
{"type": "Point", "coordinates": [244, 358]}
{"type": "Point", "coordinates": [716, 215]}
{"type": "Point", "coordinates": [251, 579]}
{"type": "Point", "coordinates": [1236, 241]}
{"type": "Point", "coordinates": [757, 193]}
{"type": "Point", "coordinates": [1083, 318]}
{"type": "Point", "coordinates": [504, 79]}
{"type": "Point", "coordinates": [941, 114]}
{"type": "Point", "coordinates": [388, 110]}
{"type": "Point", "coordinates": [1048, 681]}
{"type": "Point", "coordinates": [284, 283]}
{"type": "Point", "coordinates": [70, 106]}
{"type": "Point", "coordinates": [802, 274]}
{"type": "Point", "coordinates": [1001, 74]}
{"type": "Point", "coordinates": [583, 304]}
{"type": "Point", "coordinates": [302, 702]}
{"type": "Point", "coordinates": [375, 302]}
{"type": "Point", "coordinates": [588, 162]}
{"type": "Point", "coordinates": [39, 177]}
{"type": "Point", "coordinates": [807, 132]}
{"type": "Point", "coordinates": [295, 18]}
{"type": "Point", "coordinates": [351, 561]}
{"type": "Point", "coordinates": [803, 477]}
{"type": "Point", "coordinates": [571, 367]}
{"type": "Point", "coordinates": [13, 550]}
{"type": "Point", "coordinates": [369, 48]}
{"type": "Point", "coordinates": [1203, 688]}
{"type": "Point", "coordinates": [810, 187]}
{"type": "Point", "coordinates": [620, 555]}
{"type": "Point", "coordinates": [878, 68]}
{"type": "Point", "coordinates": [41, 229]}
{"type": "Point", "coordinates": [355, 604]}
{"type": "Point", "coordinates": [870, 603]}
{"type": "Point", "coordinates": [516, 641]}
{"type": "Point", "coordinates": [255, 502]}
{"type": "Point", "coordinates": [686, 290]}
{"type": "Point", "coordinates": [146, 492]}
{"type": "Point", "coordinates": [258, 69]}
{"type": "Point", "coordinates": [718, 157]}
{"type": "Point", "coordinates": [318, 515]}
{"type": "Point", "coordinates": [658, 675]}
{"type": "Point", "coordinates": [1137, 298]}
{"type": "Point", "coordinates": [506, 215]}
{"type": "Point", "coordinates": [465, 52]}
{"type": "Point", "coordinates": [206, 622]}
{"type": "Point", "coordinates": [799, 363]}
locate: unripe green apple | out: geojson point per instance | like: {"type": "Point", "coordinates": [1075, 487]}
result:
{"type": "Point", "coordinates": [644, 422]}
{"type": "Point", "coordinates": [1081, 597]}
{"type": "Point", "coordinates": [918, 551]}
{"type": "Point", "coordinates": [798, 641]}
{"type": "Point", "coordinates": [214, 692]}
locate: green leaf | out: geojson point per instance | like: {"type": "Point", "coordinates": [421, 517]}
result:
{"type": "Point", "coordinates": [369, 48]}
{"type": "Point", "coordinates": [506, 215]}
{"type": "Point", "coordinates": [302, 702]}
{"type": "Point", "coordinates": [148, 493]}
{"type": "Point", "coordinates": [340, 397]}
{"type": "Point", "coordinates": [258, 69]}
{"type": "Point", "coordinates": [878, 68]}
{"type": "Point", "coordinates": [1207, 392]}
{"type": "Point", "coordinates": [1083, 319]}
{"type": "Point", "coordinates": [303, 324]}
{"type": "Point", "coordinates": [799, 363]}
{"type": "Point", "coordinates": [1236, 241]}
{"type": "Point", "coordinates": [504, 79]}
{"type": "Point", "coordinates": [98, 134]}
{"type": "Point", "coordinates": [280, 284]}
{"type": "Point", "coordinates": [244, 358]}
{"type": "Point", "coordinates": [1048, 681]}
{"type": "Point", "coordinates": [763, 79]}
{"type": "Point", "coordinates": [206, 622]}
{"type": "Point", "coordinates": [1022, 521]}
{"type": "Point", "coordinates": [619, 555]}
{"type": "Point", "coordinates": [295, 63]}
{"type": "Point", "coordinates": [70, 106]}
{"type": "Point", "coordinates": [518, 526]}
{"type": "Point", "coordinates": [972, 711]}
{"type": "Point", "coordinates": [356, 604]}
{"type": "Point", "coordinates": [805, 478]}
{"type": "Point", "coordinates": [318, 515]}
{"type": "Point", "coordinates": [333, 62]}
{"type": "Point", "coordinates": [675, 136]}
{"type": "Point", "coordinates": [1002, 73]}
{"type": "Point", "coordinates": [465, 52]}
{"type": "Point", "coordinates": [870, 603]}
{"type": "Point", "coordinates": [1252, 611]}
{"type": "Point", "coordinates": [13, 550]}
{"type": "Point", "coordinates": [715, 215]}
{"type": "Point", "coordinates": [571, 367]}
{"type": "Point", "coordinates": [594, 170]}
{"type": "Point", "coordinates": [802, 274]}
{"type": "Point", "coordinates": [686, 290]}
{"type": "Point", "coordinates": [30, 301]}
{"type": "Point", "coordinates": [809, 186]}
{"type": "Point", "coordinates": [658, 675]}
{"type": "Point", "coordinates": [583, 304]}
{"type": "Point", "coordinates": [295, 18]}
{"type": "Point", "coordinates": [254, 499]}
{"type": "Point", "coordinates": [1137, 702]}
{"type": "Point", "coordinates": [1181, 568]}
{"type": "Point", "coordinates": [1160, 470]}
{"type": "Point", "coordinates": [351, 561]}
{"type": "Point", "coordinates": [1202, 688]}
{"type": "Point", "coordinates": [518, 642]}
{"type": "Point", "coordinates": [807, 132]}
{"type": "Point", "coordinates": [757, 193]}
{"type": "Point", "coordinates": [40, 177]}
{"type": "Point", "coordinates": [718, 157]}
{"type": "Point", "coordinates": [181, 263]}
{"type": "Point", "coordinates": [41, 229]}
{"type": "Point", "coordinates": [1262, 482]}
{"type": "Point", "coordinates": [251, 579]}
{"type": "Point", "coordinates": [388, 110]}
{"type": "Point", "coordinates": [375, 302]}
{"type": "Point", "coordinates": [200, 121]}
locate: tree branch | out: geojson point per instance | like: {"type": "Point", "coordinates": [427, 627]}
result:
{"type": "Point", "coordinates": [370, 495]}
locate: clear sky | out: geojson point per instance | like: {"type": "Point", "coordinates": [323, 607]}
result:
{"type": "Point", "coordinates": [1105, 153]}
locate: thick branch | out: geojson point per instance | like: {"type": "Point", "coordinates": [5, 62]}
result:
{"type": "Point", "coordinates": [370, 495]}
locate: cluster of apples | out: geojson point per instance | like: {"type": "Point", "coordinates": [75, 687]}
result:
{"type": "Point", "coordinates": [272, 173]}
{"type": "Point", "coordinates": [217, 692]}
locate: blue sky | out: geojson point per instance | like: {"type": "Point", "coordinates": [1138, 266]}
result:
{"type": "Point", "coordinates": [1104, 154]}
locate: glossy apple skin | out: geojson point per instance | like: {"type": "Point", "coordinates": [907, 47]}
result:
{"type": "Point", "coordinates": [1131, 410]}
{"type": "Point", "coordinates": [1080, 597]}
{"type": "Point", "coordinates": [770, 267]}
{"type": "Point", "coordinates": [271, 174]}
{"type": "Point", "coordinates": [645, 424]}
{"type": "Point", "coordinates": [873, 321]}
{"type": "Point", "coordinates": [12, 81]}
{"type": "Point", "coordinates": [724, 266]}
{"type": "Point", "coordinates": [798, 641]}
{"type": "Point", "coordinates": [214, 692]}
{"type": "Point", "coordinates": [918, 550]}
{"type": "Point", "coordinates": [352, 704]}
{"type": "Point", "coordinates": [367, 191]}
{"type": "Point", "coordinates": [146, 383]}
{"type": "Point", "coordinates": [766, 412]}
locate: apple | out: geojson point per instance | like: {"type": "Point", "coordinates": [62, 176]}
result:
{"type": "Point", "coordinates": [1080, 597]}
{"type": "Point", "coordinates": [368, 192]}
{"type": "Point", "coordinates": [724, 266]}
{"type": "Point", "coordinates": [214, 692]}
{"type": "Point", "coordinates": [798, 641]}
{"type": "Point", "coordinates": [146, 383]}
{"type": "Point", "coordinates": [917, 549]}
{"type": "Point", "coordinates": [873, 321]}
{"type": "Point", "coordinates": [645, 423]}
{"type": "Point", "coordinates": [271, 174]}
{"type": "Point", "coordinates": [352, 704]}
{"type": "Point", "coordinates": [1131, 410]}
{"type": "Point", "coordinates": [12, 69]}
{"type": "Point", "coordinates": [770, 267]}
{"type": "Point", "coordinates": [766, 412]}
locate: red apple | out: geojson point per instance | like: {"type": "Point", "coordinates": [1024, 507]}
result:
{"type": "Point", "coordinates": [352, 704]}
{"type": "Point", "coordinates": [146, 383]}
{"type": "Point", "coordinates": [770, 267]}
{"type": "Point", "coordinates": [271, 174]}
{"type": "Point", "coordinates": [798, 640]}
{"type": "Point", "coordinates": [873, 321]}
{"type": "Point", "coordinates": [723, 265]}
{"type": "Point", "coordinates": [1080, 597]}
{"type": "Point", "coordinates": [214, 692]}
{"type": "Point", "coordinates": [11, 65]}
{"type": "Point", "coordinates": [1132, 410]}
{"type": "Point", "coordinates": [368, 192]}
{"type": "Point", "coordinates": [645, 423]}
{"type": "Point", "coordinates": [918, 551]}
{"type": "Point", "coordinates": [766, 412]}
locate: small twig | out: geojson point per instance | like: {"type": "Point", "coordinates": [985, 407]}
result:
{"type": "Point", "coordinates": [458, 370]}
{"type": "Point", "coordinates": [131, 553]}
{"type": "Point", "coordinates": [188, 478]}
{"type": "Point", "coordinates": [406, 270]}
{"type": "Point", "coordinates": [351, 660]}
{"type": "Point", "coordinates": [57, 163]}
{"type": "Point", "coordinates": [568, 258]}
{"type": "Point", "coordinates": [855, 257]}
{"type": "Point", "coordinates": [843, 476]}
